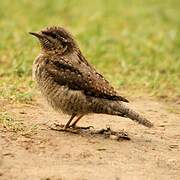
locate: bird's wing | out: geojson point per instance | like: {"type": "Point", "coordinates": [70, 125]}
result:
{"type": "Point", "coordinates": [86, 80]}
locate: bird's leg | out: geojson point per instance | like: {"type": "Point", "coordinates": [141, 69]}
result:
{"type": "Point", "coordinates": [75, 122]}
{"type": "Point", "coordinates": [68, 123]}
{"type": "Point", "coordinates": [73, 125]}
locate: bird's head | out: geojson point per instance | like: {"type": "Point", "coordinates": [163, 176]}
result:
{"type": "Point", "coordinates": [55, 39]}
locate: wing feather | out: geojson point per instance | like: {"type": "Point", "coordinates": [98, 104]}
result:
{"type": "Point", "coordinates": [86, 80]}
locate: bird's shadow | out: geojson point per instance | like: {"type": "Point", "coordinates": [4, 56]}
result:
{"type": "Point", "coordinates": [90, 131]}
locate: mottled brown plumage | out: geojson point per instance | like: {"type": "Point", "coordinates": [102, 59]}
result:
{"type": "Point", "coordinates": [71, 84]}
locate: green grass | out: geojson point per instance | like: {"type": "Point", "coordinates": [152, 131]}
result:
{"type": "Point", "coordinates": [8, 122]}
{"type": "Point", "coordinates": [134, 43]}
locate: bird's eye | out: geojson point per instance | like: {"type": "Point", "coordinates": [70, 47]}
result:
{"type": "Point", "coordinates": [53, 35]}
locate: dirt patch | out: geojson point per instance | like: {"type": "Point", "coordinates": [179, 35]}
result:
{"type": "Point", "coordinates": [34, 151]}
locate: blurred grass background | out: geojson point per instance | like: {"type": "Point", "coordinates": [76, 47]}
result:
{"type": "Point", "coordinates": [135, 44]}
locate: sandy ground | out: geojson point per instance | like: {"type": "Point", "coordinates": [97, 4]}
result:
{"type": "Point", "coordinates": [34, 151]}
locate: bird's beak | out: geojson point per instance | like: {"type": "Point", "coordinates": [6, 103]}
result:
{"type": "Point", "coordinates": [38, 35]}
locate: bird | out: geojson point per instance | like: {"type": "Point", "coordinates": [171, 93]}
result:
{"type": "Point", "coordinates": [71, 84]}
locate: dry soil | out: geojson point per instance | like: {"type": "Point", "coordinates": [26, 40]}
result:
{"type": "Point", "coordinates": [30, 150]}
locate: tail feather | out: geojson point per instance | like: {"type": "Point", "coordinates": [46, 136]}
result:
{"type": "Point", "coordinates": [117, 108]}
{"type": "Point", "coordinates": [133, 115]}
{"type": "Point", "coordinates": [138, 118]}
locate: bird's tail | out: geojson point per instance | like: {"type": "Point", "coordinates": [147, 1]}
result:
{"type": "Point", "coordinates": [118, 108]}
{"type": "Point", "coordinates": [122, 110]}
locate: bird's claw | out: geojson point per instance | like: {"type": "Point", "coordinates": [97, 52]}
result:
{"type": "Point", "coordinates": [62, 127]}
{"type": "Point", "coordinates": [79, 127]}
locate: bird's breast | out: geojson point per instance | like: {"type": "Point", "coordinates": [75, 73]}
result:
{"type": "Point", "coordinates": [61, 98]}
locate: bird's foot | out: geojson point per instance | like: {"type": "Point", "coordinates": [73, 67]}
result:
{"type": "Point", "coordinates": [73, 129]}
{"type": "Point", "coordinates": [83, 128]}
